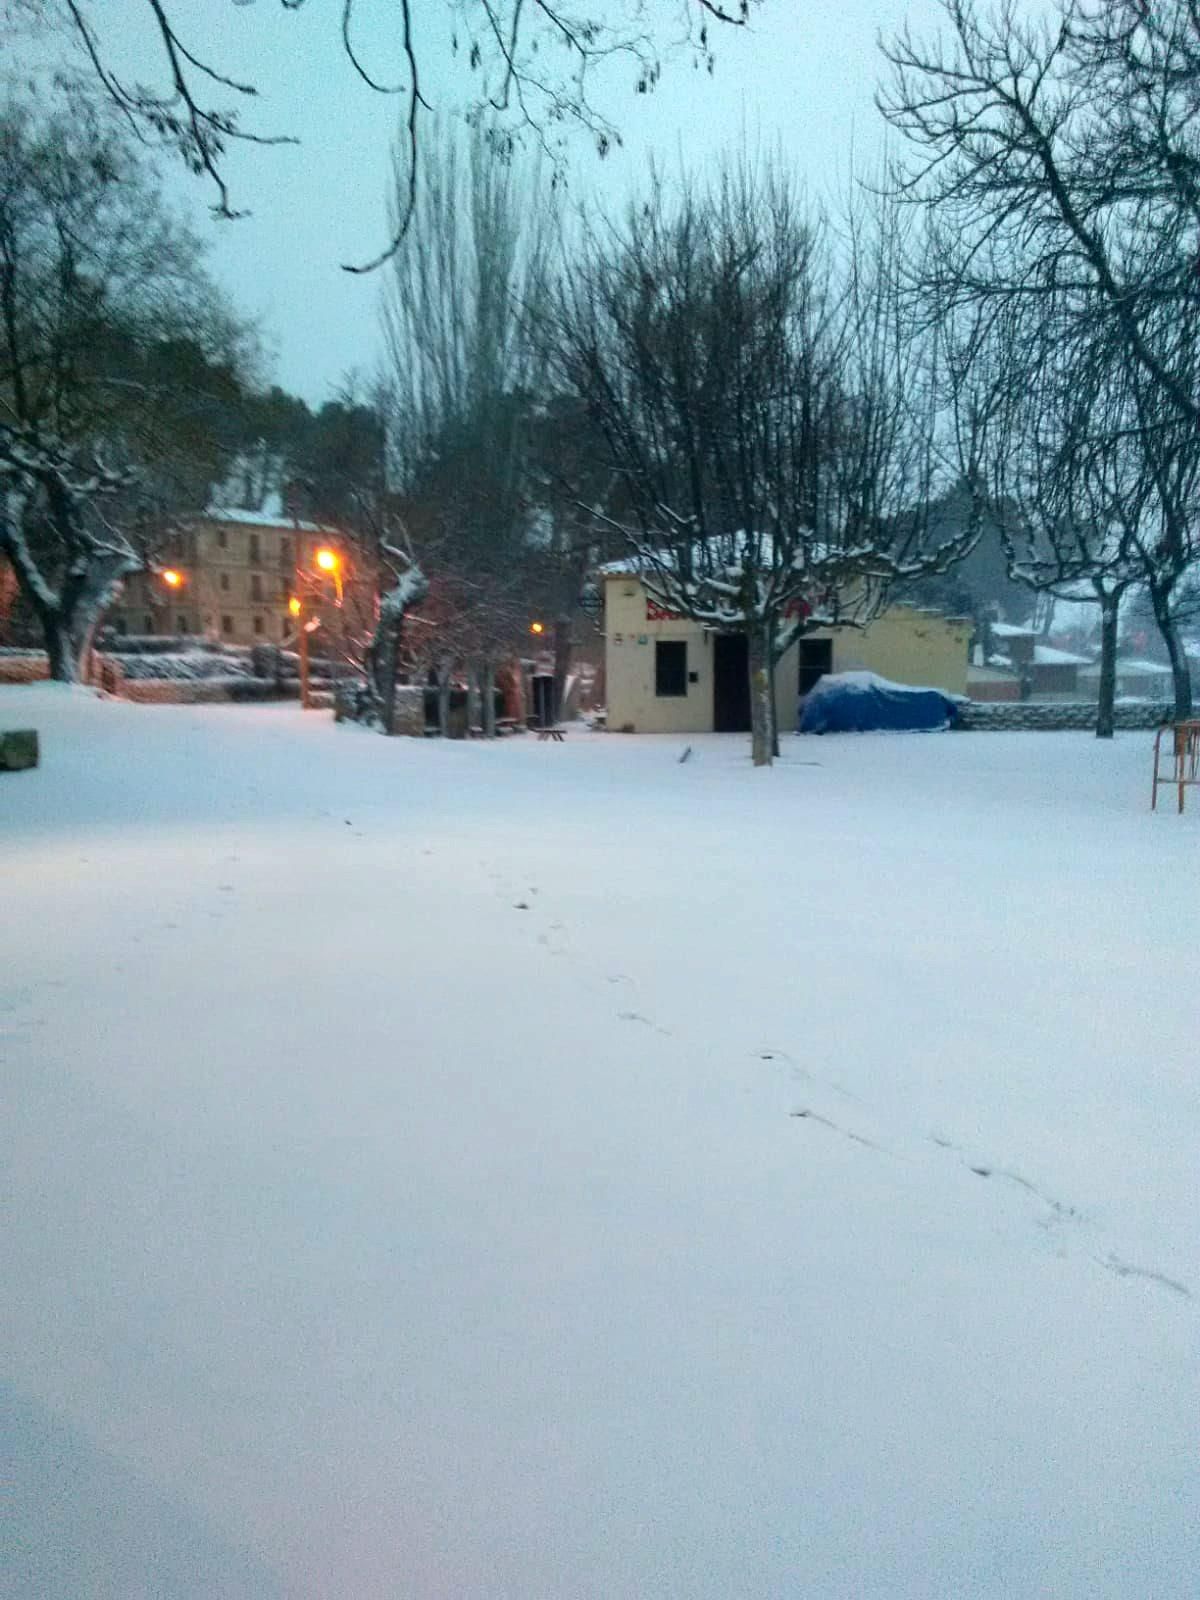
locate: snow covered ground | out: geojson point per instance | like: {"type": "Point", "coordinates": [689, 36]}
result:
{"type": "Point", "coordinates": [544, 1172]}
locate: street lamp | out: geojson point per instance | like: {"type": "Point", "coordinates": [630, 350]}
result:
{"type": "Point", "coordinates": [329, 561]}
{"type": "Point", "coordinates": [537, 627]}
{"type": "Point", "coordinates": [172, 578]}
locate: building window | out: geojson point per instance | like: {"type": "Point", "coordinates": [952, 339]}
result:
{"type": "Point", "coordinates": [255, 557]}
{"type": "Point", "coordinates": [224, 580]}
{"type": "Point", "coordinates": [255, 586]}
{"type": "Point", "coordinates": [222, 539]}
{"type": "Point", "coordinates": [670, 668]}
{"type": "Point", "coordinates": [227, 625]}
{"type": "Point", "coordinates": [181, 625]}
{"type": "Point", "coordinates": [119, 625]}
{"type": "Point", "coordinates": [258, 624]}
{"type": "Point", "coordinates": [149, 624]}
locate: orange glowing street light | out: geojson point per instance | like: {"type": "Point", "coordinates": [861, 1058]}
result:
{"type": "Point", "coordinates": [537, 627]}
{"type": "Point", "coordinates": [295, 605]}
{"type": "Point", "coordinates": [329, 561]}
{"type": "Point", "coordinates": [171, 578]}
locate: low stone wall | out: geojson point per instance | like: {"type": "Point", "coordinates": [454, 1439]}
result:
{"type": "Point", "coordinates": [354, 703]}
{"type": "Point", "coordinates": [199, 691]}
{"type": "Point", "coordinates": [24, 666]}
{"type": "Point", "coordinates": [1059, 716]}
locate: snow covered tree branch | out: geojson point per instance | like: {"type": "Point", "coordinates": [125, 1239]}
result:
{"type": "Point", "coordinates": [95, 277]}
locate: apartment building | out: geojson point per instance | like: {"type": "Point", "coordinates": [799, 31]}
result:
{"type": "Point", "coordinates": [228, 575]}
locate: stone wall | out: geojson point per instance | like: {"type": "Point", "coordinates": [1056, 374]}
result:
{"type": "Point", "coordinates": [1057, 716]}
{"type": "Point", "coordinates": [24, 666]}
{"type": "Point", "coordinates": [197, 692]}
{"type": "Point", "coordinates": [409, 716]}
{"type": "Point", "coordinates": [354, 703]}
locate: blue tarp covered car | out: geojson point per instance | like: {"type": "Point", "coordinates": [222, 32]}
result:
{"type": "Point", "coordinates": [861, 702]}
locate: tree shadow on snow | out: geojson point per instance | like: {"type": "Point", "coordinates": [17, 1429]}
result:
{"type": "Point", "coordinates": [81, 1526]}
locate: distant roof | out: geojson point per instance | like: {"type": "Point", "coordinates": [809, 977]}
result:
{"type": "Point", "coordinates": [1009, 630]}
{"type": "Point", "coordinates": [1141, 667]}
{"type": "Point", "coordinates": [263, 519]}
{"type": "Point", "coordinates": [1045, 655]}
{"type": "Point", "coordinates": [990, 674]}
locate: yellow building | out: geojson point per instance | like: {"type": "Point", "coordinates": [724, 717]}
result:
{"type": "Point", "coordinates": [235, 571]}
{"type": "Point", "coordinates": [666, 674]}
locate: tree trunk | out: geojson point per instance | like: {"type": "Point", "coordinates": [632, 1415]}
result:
{"type": "Point", "coordinates": [487, 687]}
{"type": "Point", "coordinates": [562, 665]}
{"type": "Point", "coordinates": [1108, 669]}
{"type": "Point", "coordinates": [1169, 629]}
{"type": "Point", "coordinates": [443, 686]}
{"type": "Point", "coordinates": [64, 661]}
{"type": "Point", "coordinates": [772, 684]}
{"type": "Point", "coordinates": [762, 717]}
{"type": "Point", "coordinates": [474, 719]}
{"type": "Point", "coordinates": [387, 664]}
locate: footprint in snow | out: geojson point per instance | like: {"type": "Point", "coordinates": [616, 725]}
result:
{"type": "Point", "coordinates": [648, 1022]}
{"type": "Point", "coordinates": [1125, 1269]}
{"type": "Point", "coordinates": [846, 1133]}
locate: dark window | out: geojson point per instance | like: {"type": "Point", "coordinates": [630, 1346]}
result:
{"type": "Point", "coordinates": [256, 592]}
{"type": "Point", "coordinates": [670, 668]}
{"type": "Point", "coordinates": [181, 625]}
{"type": "Point", "coordinates": [816, 659]}
{"type": "Point", "coordinates": [119, 625]}
{"type": "Point", "coordinates": [226, 624]}
{"type": "Point", "coordinates": [224, 580]}
{"type": "Point", "coordinates": [222, 539]}
{"type": "Point", "coordinates": [255, 558]}
{"type": "Point", "coordinates": [258, 625]}
{"type": "Point", "coordinates": [149, 627]}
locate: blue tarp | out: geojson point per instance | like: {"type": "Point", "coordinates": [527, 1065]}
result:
{"type": "Point", "coordinates": [861, 702]}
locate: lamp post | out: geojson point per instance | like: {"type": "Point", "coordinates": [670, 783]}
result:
{"type": "Point", "coordinates": [296, 610]}
{"type": "Point", "coordinates": [327, 562]}
{"type": "Point", "coordinates": [330, 562]}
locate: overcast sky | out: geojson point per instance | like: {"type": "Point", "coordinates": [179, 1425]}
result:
{"type": "Point", "coordinates": [802, 79]}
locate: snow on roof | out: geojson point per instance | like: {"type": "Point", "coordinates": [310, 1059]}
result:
{"type": "Point", "coordinates": [1141, 667]}
{"type": "Point", "coordinates": [1009, 630]}
{"type": "Point", "coordinates": [264, 519]}
{"type": "Point", "coordinates": [1045, 655]}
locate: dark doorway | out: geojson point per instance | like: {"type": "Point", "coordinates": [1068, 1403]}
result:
{"type": "Point", "coordinates": [731, 683]}
{"type": "Point", "coordinates": [543, 700]}
{"type": "Point", "coordinates": [816, 659]}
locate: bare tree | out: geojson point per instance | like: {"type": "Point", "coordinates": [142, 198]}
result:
{"type": "Point", "coordinates": [527, 66]}
{"type": "Point", "coordinates": [1058, 158]}
{"type": "Point", "coordinates": [1067, 468]}
{"type": "Point", "coordinates": [465, 386]}
{"type": "Point", "coordinates": [762, 408]}
{"type": "Point", "coordinates": [93, 273]}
